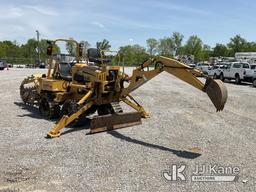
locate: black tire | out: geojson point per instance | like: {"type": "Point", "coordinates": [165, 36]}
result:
{"type": "Point", "coordinates": [44, 109]}
{"type": "Point", "coordinates": [70, 106]}
{"type": "Point", "coordinates": [55, 111]}
{"type": "Point", "coordinates": [222, 78]}
{"type": "Point", "coordinates": [49, 109]}
{"type": "Point", "coordinates": [237, 79]}
{"type": "Point", "coordinates": [1, 68]}
{"type": "Point", "coordinates": [254, 83]}
{"type": "Point", "coordinates": [215, 76]}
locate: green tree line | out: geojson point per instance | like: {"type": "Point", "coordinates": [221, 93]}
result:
{"type": "Point", "coordinates": [170, 46]}
{"type": "Point", "coordinates": [174, 45]}
{"type": "Point", "coordinates": [27, 53]}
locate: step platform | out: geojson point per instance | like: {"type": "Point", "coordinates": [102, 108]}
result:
{"type": "Point", "coordinates": [114, 121]}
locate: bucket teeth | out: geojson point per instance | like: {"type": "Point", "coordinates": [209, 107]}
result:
{"type": "Point", "coordinates": [217, 92]}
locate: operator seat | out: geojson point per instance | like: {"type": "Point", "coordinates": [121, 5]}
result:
{"type": "Point", "coordinates": [65, 71]}
{"type": "Point", "coordinates": [95, 56]}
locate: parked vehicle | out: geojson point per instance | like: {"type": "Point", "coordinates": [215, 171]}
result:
{"type": "Point", "coordinates": [203, 67]}
{"type": "Point", "coordinates": [237, 71]}
{"type": "Point", "coordinates": [2, 64]}
{"type": "Point", "coordinates": [192, 65]}
{"type": "Point", "coordinates": [215, 71]}
{"type": "Point", "coordinates": [254, 76]}
{"type": "Point", "coordinates": [254, 79]}
{"type": "Point", "coordinates": [250, 73]}
{"type": "Point", "coordinates": [42, 66]}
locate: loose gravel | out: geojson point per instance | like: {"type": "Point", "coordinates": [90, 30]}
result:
{"type": "Point", "coordinates": [183, 128]}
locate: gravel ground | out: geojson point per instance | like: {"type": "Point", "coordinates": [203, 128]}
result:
{"type": "Point", "coordinates": [183, 128]}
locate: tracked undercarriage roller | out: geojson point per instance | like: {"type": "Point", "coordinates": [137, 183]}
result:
{"type": "Point", "coordinates": [49, 108]}
{"type": "Point", "coordinates": [28, 91]}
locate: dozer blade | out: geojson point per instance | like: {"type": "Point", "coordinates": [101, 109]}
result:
{"type": "Point", "coordinates": [217, 92]}
{"type": "Point", "coordinates": [114, 121]}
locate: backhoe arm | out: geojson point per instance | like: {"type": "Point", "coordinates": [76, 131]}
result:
{"type": "Point", "coordinates": [216, 90]}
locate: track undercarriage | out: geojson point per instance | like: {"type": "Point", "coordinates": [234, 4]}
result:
{"type": "Point", "coordinates": [110, 116]}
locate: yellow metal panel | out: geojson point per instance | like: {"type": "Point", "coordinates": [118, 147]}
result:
{"type": "Point", "coordinates": [53, 85]}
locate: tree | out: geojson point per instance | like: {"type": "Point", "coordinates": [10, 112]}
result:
{"type": "Point", "coordinates": [166, 47]}
{"type": "Point", "coordinates": [237, 44]}
{"type": "Point", "coordinates": [29, 51]}
{"type": "Point", "coordinates": [152, 46]}
{"type": "Point", "coordinates": [194, 46]}
{"type": "Point", "coordinates": [220, 50]}
{"type": "Point", "coordinates": [8, 49]}
{"type": "Point", "coordinates": [133, 54]}
{"type": "Point", "coordinates": [71, 47]}
{"type": "Point", "coordinates": [205, 53]}
{"type": "Point", "coordinates": [250, 47]}
{"type": "Point", "coordinates": [43, 46]}
{"type": "Point", "coordinates": [86, 45]}
{"type": "Point", "coordinates": [103, 45]}
{"type": "Point", "coordinates": [177, 40]}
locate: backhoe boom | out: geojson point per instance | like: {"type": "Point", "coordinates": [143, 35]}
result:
{"type": "Point", "coordinates": [215, 89]}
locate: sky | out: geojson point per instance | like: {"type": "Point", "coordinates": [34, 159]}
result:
{"type": "Point", "coordinates": [125, 22]}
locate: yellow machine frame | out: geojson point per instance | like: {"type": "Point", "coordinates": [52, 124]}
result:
{"type": "Point", "coordinates": [98, 89]}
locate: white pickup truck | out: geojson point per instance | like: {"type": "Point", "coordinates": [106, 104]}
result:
{"type": "Point", "coordinates": [254, 76]}
{"type": "Point", "coordinates": [237, 71]}
{"type": "Point", "coordinates": [250, 74]}
{"type": "Point", "coordinates": [215, 71]}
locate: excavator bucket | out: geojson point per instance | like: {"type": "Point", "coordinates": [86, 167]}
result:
{"type": "Point", "coordinates": [217, 92]}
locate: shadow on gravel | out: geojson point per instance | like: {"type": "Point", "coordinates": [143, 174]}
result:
{"type": "Point", "coordinates": [78, 126]}
{"type": "Point", "coordinates": [179, 153]}
{"type": "Point", "coordinates": [85, 124]}
{"type": "Point", "coordinates": [34, 112]}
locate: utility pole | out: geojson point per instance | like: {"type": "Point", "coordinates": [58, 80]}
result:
{"type": "Point", "coordinates": [38, 48]}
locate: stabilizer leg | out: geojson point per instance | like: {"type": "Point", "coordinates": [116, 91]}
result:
{"type": "Point", "coordinates": [135, 105]}
{"type": "Point", "coordinates": [65, 120]}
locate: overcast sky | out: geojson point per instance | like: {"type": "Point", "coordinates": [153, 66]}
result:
{"type": "Point", "coordinates": [127, 21]}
